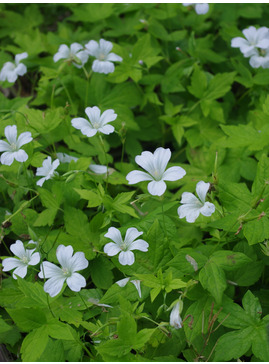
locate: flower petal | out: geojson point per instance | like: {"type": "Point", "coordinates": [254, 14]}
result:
{"type": "Point", "coordinates": [78, 262]}
{"type": "Point", "coordinates": [76, 282]}
{"type": "Point", "coordinates": [136, 283]}
{"type": "Point", "coordinates": [201, 190]}
{"type": "Point", "coordinates": [105, 46]}
{"type": "Point", "coordinates": [208, 209]}
{"type": "Point", "coordinates": [239, 42]}
{"type": "Point", "coordinates": [20, 155]}
{"type": "Point", "coordinates": [173, 174]}
{"type": "Point", "coordinates": [93, 114]}
{"type": "Point", "coordinates": [84, 126]}
{"type": "Point", "coordinates": [138, 176]}
{"type": "Point", "coordinates": [156, 188]}
{"type": "Point", "coordinates": [113, 57]}
{"type": "Point", "coordinates": [189, 198]}
{"type": "Point", "coordinates": [161, 159]}
{"type": "Point", "coordinates": [54, 285]}
{"type": "Point", "coordinates": [126, 258]}
{"type": "Point", "coordinates": [11, 133]}
{"type": "Point", "coordinates": [131, 235]}
{"type": "Point", "coordinates": [146, 161]}
{"type": "Point", "coordinates": [10, 263]}
{"type": "Point", "coordinates": [18, 249]}
{"type": "Point", "coordinates": [98, 169]}
{"type": "Point", "coordinates": [48, 270]}
{"type": "Point", "coordinates": [35, 259]}
{"type": "Point", "coordinates": [7, 158]}
{"type": "Point", "coordinates": [21, 69]}
{"type": "Point", "coordinates": [75, 47]}
{"type": "Point", "coordinates": [108, 116]}
{"type": "Point", "coordinates": [111, 249]}
{"type": "Point", "coordinates": [115, 235]}
{"type": "Point", "coordinates": [63, 53]}
{"type": "Point", "coordinates": [92, 48]}
{"type": "Point", "coordinates": [103, 66]}
{"type": "Point", "coordinates": [4, 146]}
{"type": "Point", "coordinates": [107, 129]}
{"type": "Point", "coordinates": [20, 271]}
{"type": "Point", "coordinates": [139, 245]}
{"type": "Point", "coordinates": [201, 9]}
{"type": "Point", "coordinates": [122, 282]}
{"type": "Point", "coordinates": [41, 181]}
{"type": "Point", "coordinates": [24, 138]}
{"type": "Point", "coordinates": [191, 212]}
{"type": "Point", "coordinates": [20, 57]}
{"type": "Point", "coordinates": [64, 255]}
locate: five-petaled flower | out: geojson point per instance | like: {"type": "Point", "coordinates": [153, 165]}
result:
{"type": "Point", "coordinates": [192, 206]}
{"type": "Point", "coordinates": [255, 38]}
{"type": "Point", "coordinates": [136, 283]}
{"type": "Point", "coordinates": [200, 9]}
{"type": "Point", "coordinates": [57, 276]}
{"type": "Point", "coordinates": [74, 54]}
{"type": "Point", "coordinates": [125, 247]}
{"type": "Point", "coordinates": [175, 319]}
{"type": "Point", "coordinates": [25, 257]}
{"type": "Point", "coordinates": [47, 170]}
{"type": "Point", "coordinates": [10, 71]}
{"type": "Point", "coordinates": [98, 122]}
{"type": "Point", "coordinates": [103, 62]}
{"type": "Point", "coordinates": [12, 148]}
{"type": "Point", "coordinates": [155, 164]}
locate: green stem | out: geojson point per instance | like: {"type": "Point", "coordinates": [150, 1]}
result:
{"type": "Point", "coordinates": [106, 161]}
{"type": "Point", "coordinates": [164, 226]}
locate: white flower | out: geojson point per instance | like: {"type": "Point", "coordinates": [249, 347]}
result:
{"type": "Point", "coordinates": [255, 38]}
{"type": "Point", "coordinates": [12, 148]}
{"type": "Point", "coordinates": [192, 206]}
{"type": "Point", "coordinates": [98, 122]}
{"type": "Point", "coordinates": [175, 319]}
{"type": "Point", "coordinates": [70, 265]}
{"type": "Point", "coordinates": [11, 71]}
{"type": "Point", "coordinates": [47, 170]}
{"type": "Point", "coordinates": [25, 257]}
{"type": "Point", "coordinates": [125, 247]}
{"type": "Point", "coordinates": [98, 168]}
{"type": "Point", "coordinates": [200, 9]}
{"type": "Point", "coordinates": [155, 164]}
{"type": "Point", "coordinates": [74, 54]}
{"type": "Point", "coordinates": [104, 59]}
{"type": "Point", "coordinates": [260, 59]}
{"type": "Point", "coordinates": [65, 158]}
{"type": "Point", "coordinates": [136, 283]}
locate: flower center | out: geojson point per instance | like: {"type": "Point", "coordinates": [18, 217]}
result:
{"type": "Point", "coordinates": [102, 57]}
{"type": "Point", "coordinates": [13, 147]}
{"type": "Point", "coordinates": [66, 272]}
{"type": "Point", "coordinates": [124, 247]}
{"type": "Point", "coordinates": [156, 175]}
{"type": "Point", "coordinates": [25, 259]}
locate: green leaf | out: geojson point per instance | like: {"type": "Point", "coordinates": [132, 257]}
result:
{"type": "Point", "coordinates": [127, 329]}
{"type": "Point", "coordinates": [101, 273]}
{"type": "Point", "coordinates": [213, 279]}
{"type": "Point", "coordinates": [252, 306]}
{"type": "Point", "coordinates": [34, 292]}
{"type": "Point", "coordinates": [46, 217]}
{"type": "Point", "coordinates": [34, 344]}
{"type": "Point", "coordinates": [229, 260]}
{"type": "Point", "coordinates": [233, 345]}
{"type": "Point", "coordinates": [219, 85]}
{"type": "Point", "coordinates": [198, 83]}
{"type": "Point", "coordinates": [260, 345]}
{"type": "Point", "coordinates": [27, 319]}
{"type": "Point", "coordinates": [59, 330]}
{"type": "Point", "coordinates": [93, 198]}
{"type": "Point", "coordinates": [256, 231]}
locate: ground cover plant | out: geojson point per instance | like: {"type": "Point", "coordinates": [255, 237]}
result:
{"type": "Point", "coordinates": [134, 182]}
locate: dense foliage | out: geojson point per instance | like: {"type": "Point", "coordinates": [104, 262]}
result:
{"type": "Point", "coordinates": [192, 290]}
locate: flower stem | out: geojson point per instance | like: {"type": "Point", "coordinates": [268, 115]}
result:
{"type": "Point", "coordinates": [106, 161]}
{"type": "Point", "coordinates": [164, 226]}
